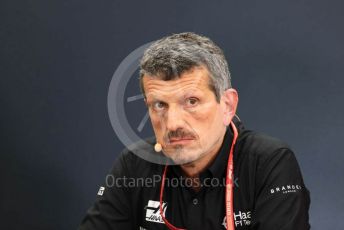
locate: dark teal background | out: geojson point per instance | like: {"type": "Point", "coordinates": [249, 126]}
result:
{"type": "Point", "coordinates": [57, 59]}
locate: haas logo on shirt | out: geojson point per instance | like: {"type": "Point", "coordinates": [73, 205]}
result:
{"type": "Point", "coordinates": [153, 211]}
{"type": "Point", "coordinates": [240, 219]}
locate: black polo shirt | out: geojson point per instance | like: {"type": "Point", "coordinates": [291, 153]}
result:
{"type": "Point", "coordinates": [269, 192]}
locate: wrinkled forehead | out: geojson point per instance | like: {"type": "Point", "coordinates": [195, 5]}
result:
{"type": "Point", "coordinates": [194, 81]}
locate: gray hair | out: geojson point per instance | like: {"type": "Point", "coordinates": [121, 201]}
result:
{"type": "Point", "coordinates": [168, 58]}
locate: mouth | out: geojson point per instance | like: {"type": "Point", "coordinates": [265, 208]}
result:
{"type": "Point", "coordinates": [180, 141]}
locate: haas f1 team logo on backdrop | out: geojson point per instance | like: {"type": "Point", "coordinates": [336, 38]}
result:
{"type": "Point", "coordinates": [153, 211]}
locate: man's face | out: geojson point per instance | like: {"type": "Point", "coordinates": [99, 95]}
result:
{"type": "Point", "coordinates": [187, 120]}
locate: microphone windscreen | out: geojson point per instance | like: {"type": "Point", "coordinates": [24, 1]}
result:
{"type": "Point", "coordinates": [157, 147]}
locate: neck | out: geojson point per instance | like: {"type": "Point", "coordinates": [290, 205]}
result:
{"type": "Point", "coordinates": [193, 169]}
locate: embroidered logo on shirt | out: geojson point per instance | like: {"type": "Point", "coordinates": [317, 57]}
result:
{"type": "Point", "coordinates": [101, 191]}
{"type": "Point", "coordinates": [240, 219]}
{"type": "Point", "coordinates": [286, 189]}
{"type": "Point", "coordinates": [153, 211]}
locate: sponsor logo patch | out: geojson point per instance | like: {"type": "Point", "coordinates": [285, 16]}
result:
{"type": "Point", "coordinates": [101, 191]}
{"type": "Point", "coordinates": [285, 189]}
{"type": "Point", "coordinates": [240, 219]}
{"type": "Point", "coordinates": [153, 211]}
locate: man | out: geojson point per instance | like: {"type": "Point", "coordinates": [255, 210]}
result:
{"type": "Point", "coordinates": [227, 176]}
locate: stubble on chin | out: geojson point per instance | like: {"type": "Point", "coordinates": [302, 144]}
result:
{"type": "Point", "coordinates": [181, 156]}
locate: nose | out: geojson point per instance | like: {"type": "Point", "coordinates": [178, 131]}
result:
{"type": "Point", "coordinates": [174, 118]}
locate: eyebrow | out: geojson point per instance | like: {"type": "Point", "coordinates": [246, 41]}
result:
{"type": "Point", "coordinates": [156, 98]}
{"type": "Point", "coordinates": [153, 100]}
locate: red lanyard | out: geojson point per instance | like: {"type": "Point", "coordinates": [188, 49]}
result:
{"type": "Point", "coordinates": [229, 188]}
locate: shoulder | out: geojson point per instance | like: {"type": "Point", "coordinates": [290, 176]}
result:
{"type": "Point", "coordinates": [270, 160]}
{"type": "Point", "coordinates": [261, 146]}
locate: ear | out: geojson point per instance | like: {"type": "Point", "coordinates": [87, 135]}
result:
{"type": "Point", "coordinates": [229, 103]}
